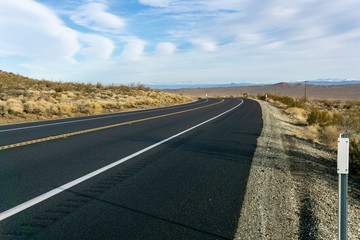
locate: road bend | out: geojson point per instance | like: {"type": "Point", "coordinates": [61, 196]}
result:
{"type": "Point", "coordinates": [169, 173]}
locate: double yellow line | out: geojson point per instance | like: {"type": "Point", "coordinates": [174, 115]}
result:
{"type": "Point", "coordinates": [66, 135]}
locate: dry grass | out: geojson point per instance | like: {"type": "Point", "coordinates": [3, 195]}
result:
{"type": "Point", "coordinates": [330, 136]}
{"type": "Point", "coordinates": [299, 114]}
{"type": "Point", "coordinates": [23, 99]}
{"type": "Point", "coordinates": [310, 133]}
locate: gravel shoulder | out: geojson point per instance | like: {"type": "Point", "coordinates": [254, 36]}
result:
{"type": "Point", "coordinates": [292, 187]}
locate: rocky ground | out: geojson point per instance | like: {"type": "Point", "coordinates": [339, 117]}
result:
{"type": "Point", "coordinates": [292, 187]}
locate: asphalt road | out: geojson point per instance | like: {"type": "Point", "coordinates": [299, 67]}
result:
{"type": "Point", "coordinates": [189, 186]}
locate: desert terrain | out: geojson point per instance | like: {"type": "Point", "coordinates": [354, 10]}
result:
{"type": "Point", "coordinates": [342, 92]}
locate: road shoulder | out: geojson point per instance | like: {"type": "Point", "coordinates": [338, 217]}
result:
{"type": "Point", "coordinates": [292, 188]}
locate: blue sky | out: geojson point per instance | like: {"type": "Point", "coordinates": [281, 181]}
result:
{"type": "Point", "coordinates": [180, 41]}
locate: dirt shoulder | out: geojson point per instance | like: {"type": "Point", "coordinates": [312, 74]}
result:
{"type": "Point", "coordinates": [292, 187]}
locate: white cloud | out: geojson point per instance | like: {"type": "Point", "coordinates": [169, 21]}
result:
{"type": "Point", "coordinates": [198, 6]}
{"type": "Point", "coordinates": [249, 38]}
{"type": "Point", "coordinates": [33, 30]}
{"type": "Point", "coordinates": [283, 12]}
{"type": "Point", "coordinates": [94, 16]}
{"type": "Point", "coordinates": [155, 3]}
{"type": "Point", "coordinates": [98, 47]}
{"type": "Point", "coordinates": [134, 49]}
{"type": "Point", "coordinates": [165, 48]}
{"type": "Point", "coordinates": [206, 45]}
{"type": "Point", "coordinates": [214, 5]}
{"type": "Point", "coordinates": [309, 33]}
{"type": "Point", "coordinates": [273, 46]}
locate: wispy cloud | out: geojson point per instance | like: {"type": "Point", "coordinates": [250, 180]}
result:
{"type": "Point", "coordinates": [94, 15]}
{"type": "Point", "coordinates": [165, 48]}
{"type": "Point", "coordinates": [96, 47]}
{"type": "Point", "coordinates": [28, 27]}
{"type": "Point", "coordinates": [134, 49]}
{"type": "Point", "coordinates": [155, 3]}
{"type": "Point", "coordinates": [206, 45]}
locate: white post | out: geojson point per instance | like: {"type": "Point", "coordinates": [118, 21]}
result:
{"type": "Point", "coordinates": [343, 171]}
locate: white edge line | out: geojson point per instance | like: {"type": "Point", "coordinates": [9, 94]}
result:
{"type": "Point", "coordinates": [38, 199]}
{"type": "Point", "coordinates": [97, 118]}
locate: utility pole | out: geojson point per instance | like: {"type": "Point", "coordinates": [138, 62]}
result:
{"type": "Point", "coordinates": [305, 92]}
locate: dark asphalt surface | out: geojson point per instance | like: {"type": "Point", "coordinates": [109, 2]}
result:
{"type": "Point", "coordinates": [188, 188]}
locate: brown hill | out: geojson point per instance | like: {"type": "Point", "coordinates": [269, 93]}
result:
{"type": "Point", "coordinates": [25, 99]}
{"type": "Point", "coordinates": [348, 92]}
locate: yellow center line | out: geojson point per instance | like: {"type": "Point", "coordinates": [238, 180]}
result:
{"type": "Point", "coordinates": [66, 135]}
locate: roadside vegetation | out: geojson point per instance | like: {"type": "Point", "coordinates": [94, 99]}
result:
{"type": "Point", "coordinates": [323, 120]}
{"type": "Point", "coordinates": [25, 99]}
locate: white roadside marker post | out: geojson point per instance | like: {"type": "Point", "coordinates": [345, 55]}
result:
{"type": "Point", "coordinates": [343, 171]}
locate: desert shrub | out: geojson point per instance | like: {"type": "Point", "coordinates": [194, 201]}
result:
{"type": "Point", "coordinates": [330, 135]}
{"type": "Point", "coordinates": [108, 104]}
{"type": "Point", "coordinates": [319, 117]}
{"type": "Point", "coordinates": [297, 113]}
{"type": "Point", "coordinates": [351, 121]}
{"type": "Point", "coordinates": [34, 107]}
{"type": "Point", "coordinates": [88, 107]}
{"type": "Point", "coordinates": [3, 107]}
{"type": "Point", "coordinates": [59, 89]}
{"type": "Point", "coordinates": [354, 154]}
{"type": "Point", "coordinates": [54, 110]}
{"type": "Point", "coordinates": [327, 103]}
{"type": "Point", "coordinates": [337, 119]}
{"type": "Point", "coordinates": [142, 87]}
{"type": "Point", "coordinates": [288, 102]}
{"type": "Point", "coordinates": [261, 97]}
{"type": "Point", "coordinates": [310, 133]}
{"type": "Point", "coordinates": [153, 101]}
{"type": "Point", "coordinates": [99, 85]}
{"type": "Point", "coordinates": [15, 106]}
{"type": "Point", "coordinates": [169, 99]}
{"type": "Point", "coordinates": [63, 109]}
{"type": "Point", "coordinates": [141, 101]}
{"type": "Point", "coordinates": [154, 95]}
{"type": "Point", "coordinates": [130, 103]}
{"type": "Point", "coordinates": [312, 117]}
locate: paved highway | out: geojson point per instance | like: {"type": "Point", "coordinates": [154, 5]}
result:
{"type": "Point", "coordinates": [170, 173]}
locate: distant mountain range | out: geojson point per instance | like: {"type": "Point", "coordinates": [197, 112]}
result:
{"type": "Point", "coordinates": [177, 86]}
{"type": "Point", "coordinates": [331, 82]}
{"type": "Point", "coordinates": [321, 82]}
{"type": "Point", "coordinates": [333, 91]}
